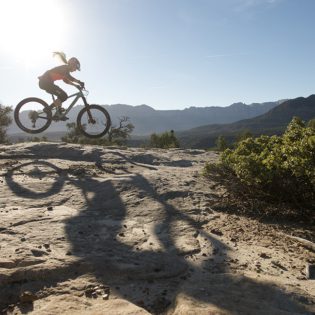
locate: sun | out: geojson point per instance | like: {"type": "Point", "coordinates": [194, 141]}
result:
{"type": "Point", "coordinates": [30, 29]}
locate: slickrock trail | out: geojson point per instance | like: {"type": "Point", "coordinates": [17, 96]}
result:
{"type": "Point", "coordinates": [92, 230]}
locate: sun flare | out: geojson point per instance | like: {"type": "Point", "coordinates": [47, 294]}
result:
{"type": "Point", "coordinates": [31, 29]}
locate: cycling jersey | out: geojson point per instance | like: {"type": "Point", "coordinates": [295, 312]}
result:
{"type": "Point", "coordinates": [46, 81]}
{"type": "Point", "coordinates": [59, 73]}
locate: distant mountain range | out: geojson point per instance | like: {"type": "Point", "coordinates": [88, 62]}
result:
{"type": "Point", "coordinates": [198, 127]}
{"type": "Point", "coordinates": [148, 120]}
{"type": "Point", "coordinates": [273, 122]}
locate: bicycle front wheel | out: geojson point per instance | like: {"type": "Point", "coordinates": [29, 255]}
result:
{"type": "Point", "coordinates": [32, 115]}
{"type": "Point", "coordinates": [93, 121]}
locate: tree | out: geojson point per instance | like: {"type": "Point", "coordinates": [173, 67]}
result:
{"type": "Point", "coordinates": [118, 135]}
{"type": "Point", "coordinates": [165, 140]}
{"type": "Point", "coordinates": [5, 121]}
{"type": "Point", "coordinates": [73, 135]}
{"type": "Point", "coordinates": [221, 143]}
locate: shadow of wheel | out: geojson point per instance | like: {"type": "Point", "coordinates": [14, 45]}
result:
{"type": "Point", "coordinates": [37, 170]}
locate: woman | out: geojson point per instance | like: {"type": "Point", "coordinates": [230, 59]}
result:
{"type": "Point", "coordinates": [46, 81]}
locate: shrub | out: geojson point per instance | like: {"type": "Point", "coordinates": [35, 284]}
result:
{"type": "Point", "coordinates": [115, 136]}
{"type": "Point", "coordinates": [165, 140]}
{"type": "Point", "coordinates": [282, 167]}
{"type": "Point", "coordinates": [5, 121]}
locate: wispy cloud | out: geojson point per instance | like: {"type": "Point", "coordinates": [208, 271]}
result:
{"type": "Point", "coordinates": [248, 9]}
{"type": "Point", "coordinates": [243, 5]}
{"type": "Point", "coordinates": [159, 87]}
{"type": "Point", "coordinates": [226, 55]}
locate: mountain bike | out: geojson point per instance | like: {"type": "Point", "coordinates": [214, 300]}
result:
{"type": "Point", "coordinates": [33, 115]}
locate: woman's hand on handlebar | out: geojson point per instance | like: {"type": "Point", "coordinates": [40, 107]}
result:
{"type": "Point", "coordinates": [82, 85]}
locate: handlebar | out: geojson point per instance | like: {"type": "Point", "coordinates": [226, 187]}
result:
{"type": "Point", "coordinates": [79, 88]}
{"type": "Point", "coordinates": [84, 90]}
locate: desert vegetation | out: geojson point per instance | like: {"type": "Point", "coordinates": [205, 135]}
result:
{"type": "Point", "coordinates": [165, 140]}
{"type": "Point", "coordinates": [117, 135]}
{"type": "Point", "coordinates": [5, 121]}
{"type": "Point", "coordinates": [276, 169]}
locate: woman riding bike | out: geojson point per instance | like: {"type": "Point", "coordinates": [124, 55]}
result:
{"type": "Point", "coordinates": [46, 81]}
{"type": "Point", "coordinates": [33, 115]}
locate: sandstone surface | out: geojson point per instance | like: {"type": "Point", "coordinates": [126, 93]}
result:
{"type": "Point", "coordinates": [93, 230]}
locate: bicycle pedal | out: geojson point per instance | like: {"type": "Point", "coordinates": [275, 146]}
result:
{"type": "Point", "coordinates": [64, 118]}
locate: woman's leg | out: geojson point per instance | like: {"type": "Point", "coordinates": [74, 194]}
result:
{"type": "Point", "coordinates": [51, 88]}
{"type": "Point", "coordinates": [61, 96]}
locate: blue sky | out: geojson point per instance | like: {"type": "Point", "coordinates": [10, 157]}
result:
{"type": "Point", "coordinates": [169, 54]}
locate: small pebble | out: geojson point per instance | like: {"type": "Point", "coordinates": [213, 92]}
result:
{"type": "Point", "coordinates": [105, 296]}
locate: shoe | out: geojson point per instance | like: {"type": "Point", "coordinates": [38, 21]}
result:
{"type": "Point", "coordinates": [64, 118]}
{"type": "Point", "coordinates": [59, 116]}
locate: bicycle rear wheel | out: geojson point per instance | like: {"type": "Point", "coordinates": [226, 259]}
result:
{"type": "Point", "coordinates": [32, 115]}
{"type": "Point", "coordinates": [93, 121]}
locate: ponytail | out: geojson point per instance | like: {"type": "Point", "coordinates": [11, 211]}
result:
{"type": "Point", "coordinates": [61, 55]}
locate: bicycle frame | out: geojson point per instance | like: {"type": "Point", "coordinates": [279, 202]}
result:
{"type": "Point", "coordinates": [76, 96]}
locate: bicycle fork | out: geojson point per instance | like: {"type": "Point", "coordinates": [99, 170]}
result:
{"type": "Point", "coordinates": [91, 120]}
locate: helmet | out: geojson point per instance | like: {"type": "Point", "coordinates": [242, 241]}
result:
{"type": "Point", "coordinates": [74, 61]}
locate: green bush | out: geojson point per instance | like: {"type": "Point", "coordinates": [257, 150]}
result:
{"type": "Point", "coordinates": [115, 136]}
{"type": "Point", "coordinates": [5, 121]}
{"type": "Point", "coordinates": [311, 123]}
{"type": "Point", "coordinates": [165, 140]}
{"type": "Point", "coordinates": [281, 166]}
